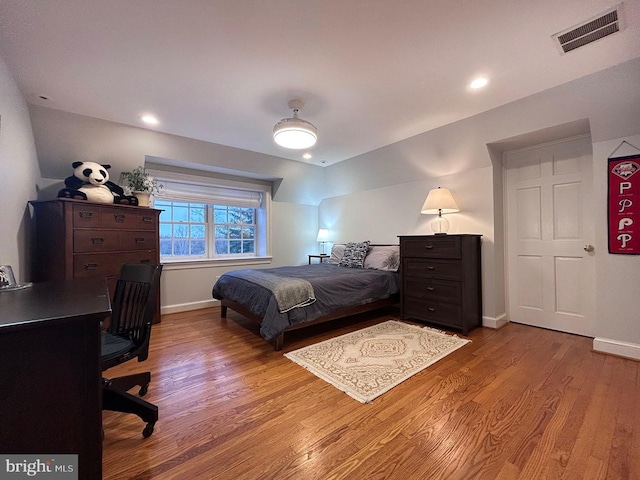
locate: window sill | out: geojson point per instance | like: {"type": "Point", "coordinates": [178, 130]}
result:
{"type": "Point", "coordinates": [218, 262]}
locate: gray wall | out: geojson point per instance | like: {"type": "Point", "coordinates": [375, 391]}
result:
{"type": "Point", "coordinates": [617, 276]}
{"type": "Point", "coordinates": [375, 196]}
{"type": "Point", "coordinates": [378, 195]}
{"type": "Point", "coordinates": [63, 137]}
{"type": "Point", "coordinates": [19, 175]}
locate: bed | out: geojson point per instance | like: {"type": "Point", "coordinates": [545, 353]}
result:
{"type": "Point", "coordinates": [358, 278]}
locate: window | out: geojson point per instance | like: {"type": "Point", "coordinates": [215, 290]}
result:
{"type": "Point", "coordinates": [202, 221]}
{"type": "Point", "coordinates": [183, 229]}
{"type": "Point", "coordinates": [234, 230]}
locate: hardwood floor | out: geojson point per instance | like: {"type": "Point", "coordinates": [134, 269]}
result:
{"type": "Point", "coordinates": [515, 403]}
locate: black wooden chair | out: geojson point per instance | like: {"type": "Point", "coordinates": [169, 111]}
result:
{"type": "Point", "coordinates": [127, 337]}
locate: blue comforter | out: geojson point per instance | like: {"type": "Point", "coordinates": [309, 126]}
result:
{"type": "Point", "coordinates": [334, 288]}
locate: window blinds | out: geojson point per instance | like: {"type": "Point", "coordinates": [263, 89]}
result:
{"type": "Point", "coordinates": [201, 193]}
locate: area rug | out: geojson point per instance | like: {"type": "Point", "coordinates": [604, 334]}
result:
{"type": "Point", "coordinates": [369, 362]}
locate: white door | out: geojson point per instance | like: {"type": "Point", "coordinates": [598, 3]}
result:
{"type": "Point", "coordinates": [551, 264]}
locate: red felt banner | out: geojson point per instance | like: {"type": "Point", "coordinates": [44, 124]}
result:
{"type": "Point", "coordinates": [624, 205]}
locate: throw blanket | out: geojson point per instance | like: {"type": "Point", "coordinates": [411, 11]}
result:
{"type": "Point", "coordinates": [288, 292]}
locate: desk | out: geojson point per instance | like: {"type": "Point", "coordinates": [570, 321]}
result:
{"type": "Point", "coordinates": [50, 374]}
{"type": "Point", "coordinates": [320, 256]}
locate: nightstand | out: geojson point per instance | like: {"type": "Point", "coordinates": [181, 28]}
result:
{"type": "Point", "coordinates": [320, 256]}
{"type": "Point", "coordinates": [440, 279]}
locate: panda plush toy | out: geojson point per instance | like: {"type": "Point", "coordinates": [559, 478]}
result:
{"type": "Point", "coordinates": [90, 181]}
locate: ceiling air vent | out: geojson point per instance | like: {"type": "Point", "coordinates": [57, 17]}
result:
{"type": "Point", "coordinates": [594, 29]}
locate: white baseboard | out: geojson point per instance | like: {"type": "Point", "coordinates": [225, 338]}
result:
{"type": "Point", "coordinates": [489, 322]}
{"type": "Point", "coordinates": [616, 347]}
{"type": "Point", "coordinates": [185, 307]}
{"type": "Point", "coordinates": [495, 322]}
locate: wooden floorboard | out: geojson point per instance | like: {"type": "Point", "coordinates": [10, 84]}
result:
{"type": "Point", "coordinates": [515, 403]}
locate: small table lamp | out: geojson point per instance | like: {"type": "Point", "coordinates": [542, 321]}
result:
{"type": "Point", "coordinates": [440, 201]}
{"type": "Point", "coordinates": [323, 237]}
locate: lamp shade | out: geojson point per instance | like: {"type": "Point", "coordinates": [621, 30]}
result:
{"type": "Point", "coordinates": [439, 201]}
{"type": "Point", "coordinates": [323, 235]}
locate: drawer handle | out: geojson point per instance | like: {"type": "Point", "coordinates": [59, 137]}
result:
{"type": "Point", "coordinates": [97, 241]}
{"type": "Point", "coordinates": [428, 246]}
{"type": "Point", "coordinates": [90, 266]}
{"type": "Point", "coordinates": [431, 267]}
{"type": "Point", "coordinates": [145, 260]}
{"type": "Point", "coordinates": [139, 240]}
{"type": "Point", "coordinates": [147, 219]}
{"type": "Point", "coordinates": [118, 217]}
{"type": "Point", "coordinates": [431, 289]}
{"type": "Point", "coordinates": [86, 214]}
{"type": "Point", "coordinates": [431, 309]}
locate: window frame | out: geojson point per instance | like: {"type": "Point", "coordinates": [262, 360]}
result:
{"type": "Point", "coordinates": [202, 185]}
{"type": "Point", "coordinates": [242, 226]}
{"type": "Point", "coordinates": [188, 223]}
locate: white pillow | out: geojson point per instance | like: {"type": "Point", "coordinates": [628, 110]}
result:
{"type": "Point", "coordinates": [383, 258]}
{"type": "Point", "coordinates": [337, 251]}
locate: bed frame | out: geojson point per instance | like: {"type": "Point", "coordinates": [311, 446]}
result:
{"type": "Point", "coordinates": [341, 313]}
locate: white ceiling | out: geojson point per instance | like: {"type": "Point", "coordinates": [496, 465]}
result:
{"type": "Point", "coordinates": [371, 72]}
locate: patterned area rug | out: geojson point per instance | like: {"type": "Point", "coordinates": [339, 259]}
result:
{"type": "Point", "coordinates": [369, 362]}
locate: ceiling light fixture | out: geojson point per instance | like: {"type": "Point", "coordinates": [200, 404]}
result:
{"type": "Point", "coordinates": [150, 119]}
{"type": "Point", "coordinates": [479, 82]}
{"type": "Point", "coordinates": [294, 132]}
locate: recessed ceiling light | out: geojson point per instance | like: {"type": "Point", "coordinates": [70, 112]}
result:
{"type": "Point", "coordinates": [150, 119]}
{"type": "Point", "coordinates": [307, 156]}
{"type": "Point", "coordinates": [479, 82]}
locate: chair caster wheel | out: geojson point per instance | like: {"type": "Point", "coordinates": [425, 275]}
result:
{"type": "Point", "coordinates": [143, 390]}
{"type": "Point", "coordinates": [148, 430]}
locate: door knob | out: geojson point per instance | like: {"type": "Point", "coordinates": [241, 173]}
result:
{"type": "Point", "coordinates": [589, 248]}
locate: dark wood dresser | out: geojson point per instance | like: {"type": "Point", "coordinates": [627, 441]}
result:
{"type": "Point", "coordinates": [79, 239]}
{"type": "Point", "coordinates": [440, 278]}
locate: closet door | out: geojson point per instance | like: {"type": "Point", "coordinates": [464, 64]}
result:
{"type": "Point", "coordinates": [551, 264]}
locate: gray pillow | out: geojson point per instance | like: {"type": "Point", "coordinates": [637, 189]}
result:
{"type": "Point", "coordinates": [354, 254]}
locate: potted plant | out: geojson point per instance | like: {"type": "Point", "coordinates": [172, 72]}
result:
{"type": "Point", "coordinates": [141, 184]}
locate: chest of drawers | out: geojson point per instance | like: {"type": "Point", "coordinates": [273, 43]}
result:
{"type": "Point", "coordinates": [78, 239]}
{"type": "Point", "coordinates": [441, 280]}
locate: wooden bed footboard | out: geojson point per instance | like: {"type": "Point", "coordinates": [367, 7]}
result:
{"type": "Point", "coordinates": [341, 313]}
